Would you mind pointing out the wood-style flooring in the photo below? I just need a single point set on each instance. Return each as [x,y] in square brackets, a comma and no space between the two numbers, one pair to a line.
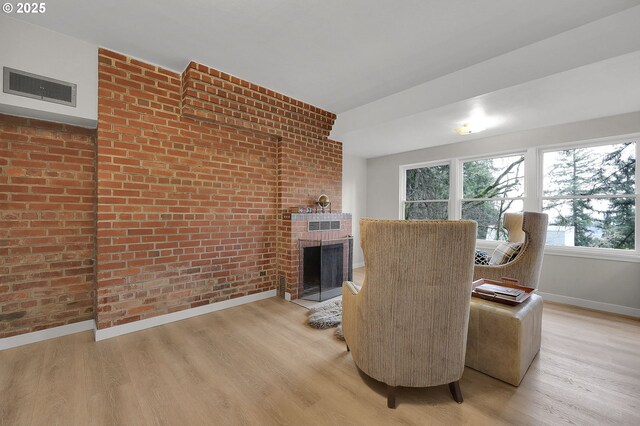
[259,364]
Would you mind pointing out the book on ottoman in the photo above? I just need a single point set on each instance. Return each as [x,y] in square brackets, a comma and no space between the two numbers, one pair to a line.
[506,291]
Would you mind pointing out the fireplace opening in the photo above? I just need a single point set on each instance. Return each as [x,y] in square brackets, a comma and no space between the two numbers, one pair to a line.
[324,266]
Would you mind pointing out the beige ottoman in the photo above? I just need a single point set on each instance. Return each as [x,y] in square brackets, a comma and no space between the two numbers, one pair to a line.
[503,339]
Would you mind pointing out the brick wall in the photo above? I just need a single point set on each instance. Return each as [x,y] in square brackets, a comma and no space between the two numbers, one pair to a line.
[186,208]
[308,169]
[309,164]
[214,96]
[192,173]
[47,228]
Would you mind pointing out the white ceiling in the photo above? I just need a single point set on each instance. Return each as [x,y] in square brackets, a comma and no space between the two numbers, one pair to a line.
[584,93]
[592,71]
[400,73]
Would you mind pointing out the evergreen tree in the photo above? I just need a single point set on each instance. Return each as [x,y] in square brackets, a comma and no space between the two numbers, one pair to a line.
[585,172]
[617,176]
[572,174]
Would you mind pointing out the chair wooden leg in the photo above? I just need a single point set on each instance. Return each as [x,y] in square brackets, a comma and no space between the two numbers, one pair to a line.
[391,396]
[456,393]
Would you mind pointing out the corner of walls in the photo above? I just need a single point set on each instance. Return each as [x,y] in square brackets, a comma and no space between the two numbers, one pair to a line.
[354,198]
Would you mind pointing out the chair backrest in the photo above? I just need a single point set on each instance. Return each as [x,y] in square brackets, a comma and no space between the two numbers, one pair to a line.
[512,222]
[527,265]
[534,226]
[415,299]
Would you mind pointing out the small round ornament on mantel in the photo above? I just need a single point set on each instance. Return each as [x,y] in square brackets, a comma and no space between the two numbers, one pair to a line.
[323,202]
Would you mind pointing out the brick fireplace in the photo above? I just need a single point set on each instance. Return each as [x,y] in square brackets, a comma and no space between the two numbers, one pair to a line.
[297,227]
[217,161]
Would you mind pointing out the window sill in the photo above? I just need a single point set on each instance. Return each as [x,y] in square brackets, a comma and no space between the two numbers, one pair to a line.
[588,253]
[583,252]
[486,245]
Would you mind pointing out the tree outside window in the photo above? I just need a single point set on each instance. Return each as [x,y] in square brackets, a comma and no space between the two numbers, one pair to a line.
[427,193]
[589,194]
[492,187]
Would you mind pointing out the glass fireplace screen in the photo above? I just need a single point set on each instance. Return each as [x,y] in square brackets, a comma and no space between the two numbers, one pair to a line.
[324,265]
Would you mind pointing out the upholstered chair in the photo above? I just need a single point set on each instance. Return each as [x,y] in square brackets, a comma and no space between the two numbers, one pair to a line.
[513,224]
[526,266]
[407,324]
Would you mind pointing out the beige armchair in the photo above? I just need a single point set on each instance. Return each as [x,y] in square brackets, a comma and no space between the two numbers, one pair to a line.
[407,324]
[530,228]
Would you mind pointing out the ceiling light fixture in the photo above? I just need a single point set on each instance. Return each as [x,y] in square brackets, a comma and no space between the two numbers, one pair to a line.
[467,129]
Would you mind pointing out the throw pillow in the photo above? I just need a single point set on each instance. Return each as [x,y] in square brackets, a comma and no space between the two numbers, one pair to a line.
[505,253]
[482,257]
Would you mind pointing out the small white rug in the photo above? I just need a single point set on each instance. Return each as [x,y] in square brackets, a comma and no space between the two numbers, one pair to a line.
[326,315]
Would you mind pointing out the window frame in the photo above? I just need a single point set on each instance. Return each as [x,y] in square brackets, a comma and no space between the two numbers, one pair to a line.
[533,192]
[593,252]
[403,185]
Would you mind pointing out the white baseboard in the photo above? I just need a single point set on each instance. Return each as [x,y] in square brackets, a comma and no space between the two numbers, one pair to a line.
[591,304]
[49,333]
[287,296]
[131,327]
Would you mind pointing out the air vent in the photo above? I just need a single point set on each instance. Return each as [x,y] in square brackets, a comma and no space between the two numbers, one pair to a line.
[323,225]
[34,86]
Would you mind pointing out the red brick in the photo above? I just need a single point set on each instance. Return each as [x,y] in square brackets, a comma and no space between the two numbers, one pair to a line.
[29,275]
[187,205]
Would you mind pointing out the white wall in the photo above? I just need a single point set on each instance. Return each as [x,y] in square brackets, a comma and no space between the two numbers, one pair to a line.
[354,198]
[34,49]
[600,284]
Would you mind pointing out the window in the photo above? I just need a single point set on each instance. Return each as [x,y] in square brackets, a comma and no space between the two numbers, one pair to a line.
[589,191]
[590,196]
[490,188]
[426,192]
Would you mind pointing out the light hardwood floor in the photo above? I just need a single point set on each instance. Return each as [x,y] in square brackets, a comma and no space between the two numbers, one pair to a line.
[260,364]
